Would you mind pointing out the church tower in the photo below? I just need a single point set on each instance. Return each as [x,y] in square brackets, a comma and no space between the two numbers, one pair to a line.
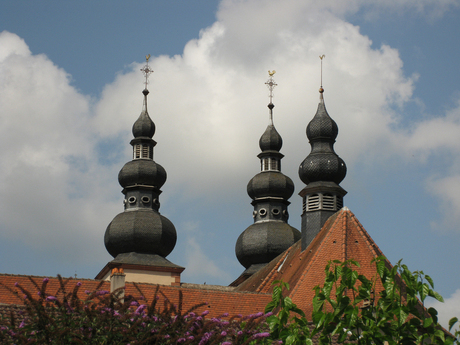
[140,238]
[321,171]
[270,235]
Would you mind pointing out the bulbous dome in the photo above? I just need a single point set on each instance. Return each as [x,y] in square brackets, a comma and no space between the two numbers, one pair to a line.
[270,184]
[144,126]
[141,231]
[322,126]
[270,140]
[322,164]
[262,242]
[322,167]
[142,172]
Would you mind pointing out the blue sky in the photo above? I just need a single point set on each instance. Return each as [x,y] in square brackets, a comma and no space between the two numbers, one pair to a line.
[70,89]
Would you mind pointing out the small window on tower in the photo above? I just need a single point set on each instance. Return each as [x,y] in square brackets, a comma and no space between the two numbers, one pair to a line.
[137,151]
[313,202]
[265,164]
[274,164]
[328,202]
[145,151]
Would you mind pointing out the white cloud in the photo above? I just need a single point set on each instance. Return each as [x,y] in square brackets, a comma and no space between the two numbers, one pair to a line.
[447,310]
[200,266]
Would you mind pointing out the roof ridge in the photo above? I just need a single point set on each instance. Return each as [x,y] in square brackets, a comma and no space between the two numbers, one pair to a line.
[369,240]
[272,273]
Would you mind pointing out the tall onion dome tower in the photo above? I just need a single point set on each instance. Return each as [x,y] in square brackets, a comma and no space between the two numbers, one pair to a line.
[140,238]
[321,171]
[270,235]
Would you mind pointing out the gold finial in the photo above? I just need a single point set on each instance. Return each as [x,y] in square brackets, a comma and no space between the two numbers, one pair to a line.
[271,73]
[146,70]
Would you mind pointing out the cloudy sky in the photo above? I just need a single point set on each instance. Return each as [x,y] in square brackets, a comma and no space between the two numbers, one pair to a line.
[70,90]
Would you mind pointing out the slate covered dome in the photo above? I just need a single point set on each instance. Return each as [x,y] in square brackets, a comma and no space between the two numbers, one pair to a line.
[144,126]
[322,164]
[262,242]
[270,140]
[141,231]
[270,184]
[142,171]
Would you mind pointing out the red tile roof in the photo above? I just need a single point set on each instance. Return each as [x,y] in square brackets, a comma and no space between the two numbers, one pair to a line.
[218,301]
[342,237]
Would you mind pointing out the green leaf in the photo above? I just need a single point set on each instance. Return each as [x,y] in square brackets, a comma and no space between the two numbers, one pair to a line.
[317,304]
[428,278]
[440,334]
[290,340]
[288,303]
[452,322]
[272,322]
[427,322]
[435,295]
[270,306]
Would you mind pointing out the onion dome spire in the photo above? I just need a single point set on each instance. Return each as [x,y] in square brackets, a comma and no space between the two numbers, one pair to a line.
[141,235]
[269,190]
[322,171]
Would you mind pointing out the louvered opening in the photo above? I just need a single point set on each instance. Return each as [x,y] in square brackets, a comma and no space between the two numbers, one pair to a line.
[339,202]
[137,151]
[328,202]
[313,202]
[145,151]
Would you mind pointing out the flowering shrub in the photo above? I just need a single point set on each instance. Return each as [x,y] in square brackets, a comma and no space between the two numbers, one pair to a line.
[104,318]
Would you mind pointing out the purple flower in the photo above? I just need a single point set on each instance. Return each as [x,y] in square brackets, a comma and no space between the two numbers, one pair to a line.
[224,315]
[167,336]
[102,292]
[46,280]
[181,340]
[223,333]
[226,343]
[16,284]
[261,335]
[134,304]
[191,337]
[78,284]
[51,299]
[269,314]
[240,333]
[259,314]
[22,324]
[87,292]
[206,312]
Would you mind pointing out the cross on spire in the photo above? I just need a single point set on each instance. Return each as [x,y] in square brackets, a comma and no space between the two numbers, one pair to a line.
[146,70]
[271,84]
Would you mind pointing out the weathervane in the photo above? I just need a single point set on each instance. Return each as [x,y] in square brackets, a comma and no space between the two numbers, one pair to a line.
[146,70]
[321,88]
[271,84]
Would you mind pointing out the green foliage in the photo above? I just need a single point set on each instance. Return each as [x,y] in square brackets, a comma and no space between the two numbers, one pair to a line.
[349,307]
